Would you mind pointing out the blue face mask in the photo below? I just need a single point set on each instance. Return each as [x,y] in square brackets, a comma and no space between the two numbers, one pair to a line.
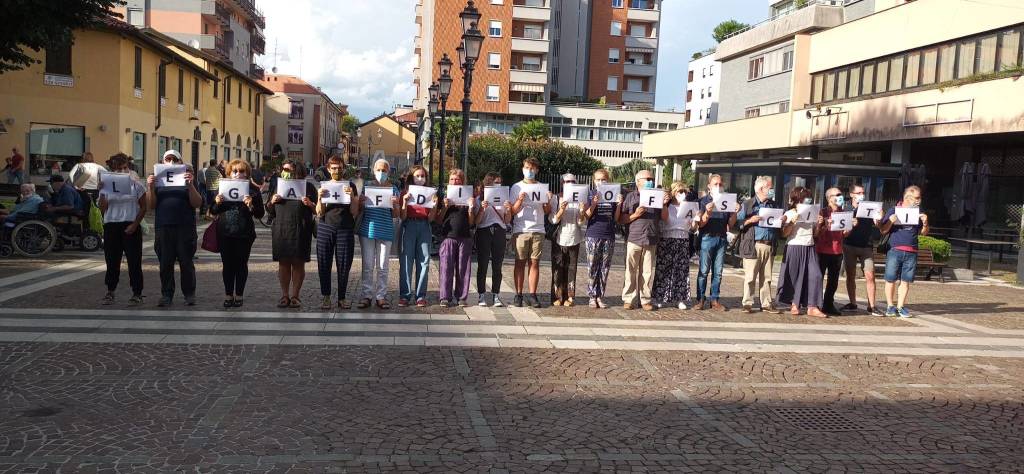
[649,184]
[529,173]
[840,200]
[381,176]
[771,194]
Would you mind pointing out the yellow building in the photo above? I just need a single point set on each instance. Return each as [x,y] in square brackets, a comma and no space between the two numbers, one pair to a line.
[121,89]
[386,137]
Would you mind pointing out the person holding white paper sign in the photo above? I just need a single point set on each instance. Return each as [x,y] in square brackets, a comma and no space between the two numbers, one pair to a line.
[414,258]
[376,233]
[457,247]
[672,270]
[601,216]
[236,231]
[565,246]
[757,247]
[901,260]
[641,246]
[800,276]
[829,245]
[175,231]
[858,249]
[714,225]
[335,235]
[123,212]
[491,226]
[528,232]
[291,234]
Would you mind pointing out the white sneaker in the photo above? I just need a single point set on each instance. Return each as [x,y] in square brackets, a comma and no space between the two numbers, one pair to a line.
[481,301]
[497,302]
[682,305]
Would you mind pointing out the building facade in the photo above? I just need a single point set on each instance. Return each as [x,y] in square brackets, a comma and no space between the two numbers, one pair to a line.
[302,121]
[119,89]
[936,107]
[703,78]
[386,137]
[231,30]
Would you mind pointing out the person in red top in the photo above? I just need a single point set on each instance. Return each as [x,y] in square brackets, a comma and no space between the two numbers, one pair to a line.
[414,258]
[16,168]
[829,246]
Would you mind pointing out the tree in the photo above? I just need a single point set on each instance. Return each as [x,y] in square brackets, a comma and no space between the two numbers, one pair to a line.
[726,28]
[37,24]
[535,129]
[504,155]
[626,172]
[349,124]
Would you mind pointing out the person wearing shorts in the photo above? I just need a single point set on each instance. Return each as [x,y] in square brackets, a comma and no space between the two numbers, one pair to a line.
[858,249]
[901,261]
[528,232]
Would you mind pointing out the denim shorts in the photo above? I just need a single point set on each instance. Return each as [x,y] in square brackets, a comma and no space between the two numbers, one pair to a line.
[900,265]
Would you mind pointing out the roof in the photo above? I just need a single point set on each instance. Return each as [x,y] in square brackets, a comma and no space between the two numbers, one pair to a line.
[408,118]
[160,37]
[118,26]
[292,85]
[389,117]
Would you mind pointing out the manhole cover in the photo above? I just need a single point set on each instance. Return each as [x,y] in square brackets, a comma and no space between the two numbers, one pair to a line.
[819,419]
[40,412]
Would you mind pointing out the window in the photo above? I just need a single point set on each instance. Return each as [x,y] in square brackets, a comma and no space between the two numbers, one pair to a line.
[854,89]
[613,55]
[817,87]
[987,55]
[162,82]
[635,85]
[58,59]
[613,83]
[531,63]
[138,67]
[1009,47]
[704,72]
[756,68]
[709,92]
[195,93]
[830,86]
[929,65]
[913,70]
[181,86]
[947,61]
[616,3]
[136,17]
[257,104]
[687,115]
[711,70]
[497,2]
[702,93]
[752,112]
[494,61]
[250,99]
[227,89]
[965,58]
[868,79]
[638,4]
[616,28]
[896,74]
[841,80]
[638,30]
[216,83]
[239,96]
[495,29]
[492,93]
[882,85]
[772,62]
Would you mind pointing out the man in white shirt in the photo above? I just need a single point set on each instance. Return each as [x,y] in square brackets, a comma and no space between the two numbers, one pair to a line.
[528,232]
[86,175]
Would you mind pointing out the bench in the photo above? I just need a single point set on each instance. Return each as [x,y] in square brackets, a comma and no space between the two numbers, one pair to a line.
[925,259]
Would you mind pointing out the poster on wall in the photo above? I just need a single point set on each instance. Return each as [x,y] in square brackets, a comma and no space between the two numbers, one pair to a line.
[296,110]
[295,134]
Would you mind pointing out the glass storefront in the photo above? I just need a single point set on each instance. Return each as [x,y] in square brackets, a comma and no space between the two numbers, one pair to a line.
[54,149]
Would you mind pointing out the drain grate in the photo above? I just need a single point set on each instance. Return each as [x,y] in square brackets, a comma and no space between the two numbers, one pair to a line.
[819,419]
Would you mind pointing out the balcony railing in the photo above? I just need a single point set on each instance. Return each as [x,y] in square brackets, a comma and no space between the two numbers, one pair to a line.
[223,14]
[526,67]
[259,43]
[530,35]
[831,3]
[530,3]
[220,48]
[256,71]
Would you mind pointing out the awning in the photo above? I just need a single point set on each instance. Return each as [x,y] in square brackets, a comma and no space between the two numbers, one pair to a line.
[519,87]
[639,50]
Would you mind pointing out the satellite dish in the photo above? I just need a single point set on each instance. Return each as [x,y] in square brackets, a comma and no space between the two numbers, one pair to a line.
[194,43]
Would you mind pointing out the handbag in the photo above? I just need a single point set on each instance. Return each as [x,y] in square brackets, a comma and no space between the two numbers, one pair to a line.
[210,243]
[883,243]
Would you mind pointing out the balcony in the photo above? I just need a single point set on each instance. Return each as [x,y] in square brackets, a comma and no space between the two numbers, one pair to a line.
[637,42]
[256,72]
[222,13]
[221,48]
[640,69]
[527,108]
[817,15]
[636,14]
[259,43]
[762,133]
[529,77]
[534,10]
[208,7]
[417,45]
[207,42]
[528,45]
[637,96]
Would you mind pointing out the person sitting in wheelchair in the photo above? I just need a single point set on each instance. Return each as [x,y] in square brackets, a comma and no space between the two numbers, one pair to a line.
[28,203]
[65,200]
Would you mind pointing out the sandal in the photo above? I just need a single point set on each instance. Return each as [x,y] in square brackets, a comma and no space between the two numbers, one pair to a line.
[283,302]
[364,303]
[383,304]
[344,304]
[229,303]
[295,303]
[326,304]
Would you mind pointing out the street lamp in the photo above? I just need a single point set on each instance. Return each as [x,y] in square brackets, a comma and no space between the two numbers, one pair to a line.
[472,40]
[444,88]
[432,109]
[470,16]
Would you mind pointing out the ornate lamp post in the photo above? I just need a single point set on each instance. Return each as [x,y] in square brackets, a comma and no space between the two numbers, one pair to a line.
[432,109]
[444,89]
[469,52]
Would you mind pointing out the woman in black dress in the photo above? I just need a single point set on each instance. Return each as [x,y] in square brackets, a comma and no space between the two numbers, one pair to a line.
[236,231]
[292,233]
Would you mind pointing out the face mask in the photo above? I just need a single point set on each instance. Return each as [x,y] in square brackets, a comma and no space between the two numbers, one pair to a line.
[529,173]
[419,180]
[335,175]
[286,175]
[716,190]
[381,176]
[599,182]
[808,201]
[649,184]
[857,198]
[237,175]
[840,200]
[771,194]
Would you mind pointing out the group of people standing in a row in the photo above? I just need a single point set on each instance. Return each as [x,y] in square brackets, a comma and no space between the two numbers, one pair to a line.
[656,262]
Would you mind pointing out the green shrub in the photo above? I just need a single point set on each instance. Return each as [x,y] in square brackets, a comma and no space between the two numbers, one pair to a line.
[940,248]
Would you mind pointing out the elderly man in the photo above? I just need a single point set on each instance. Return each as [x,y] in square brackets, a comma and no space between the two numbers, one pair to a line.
[714,226]
[757,246]
[176,238]
[64,200]
[641,245]
[28,203]
[901,260]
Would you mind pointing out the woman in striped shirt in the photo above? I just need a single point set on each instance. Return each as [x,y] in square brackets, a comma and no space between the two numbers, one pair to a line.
[376,234]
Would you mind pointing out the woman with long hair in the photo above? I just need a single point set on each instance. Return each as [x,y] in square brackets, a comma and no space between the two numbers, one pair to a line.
[291,233]
[565,247]
[491,228]
[457,246]
[414,259]
[236,231]
[672,269]
[800,275]
[600,239]
[335,235]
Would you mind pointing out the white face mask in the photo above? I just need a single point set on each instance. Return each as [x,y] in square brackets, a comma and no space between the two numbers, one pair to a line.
[716,189]
[419,180]
[599,182]
[237,175]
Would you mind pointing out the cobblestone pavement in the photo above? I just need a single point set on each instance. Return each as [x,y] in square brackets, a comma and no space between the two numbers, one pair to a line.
[89,388]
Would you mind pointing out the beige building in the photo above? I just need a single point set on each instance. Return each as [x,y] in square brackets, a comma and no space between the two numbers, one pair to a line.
[900,96]
[385,137]
[302,122]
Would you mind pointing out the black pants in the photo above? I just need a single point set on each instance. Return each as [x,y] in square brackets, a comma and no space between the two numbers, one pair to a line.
[490,248]
[115,244]
[234,257]
[830,266]
[176,243]
[563,271]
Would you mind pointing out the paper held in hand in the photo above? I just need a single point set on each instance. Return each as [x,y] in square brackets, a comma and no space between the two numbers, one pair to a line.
[724,202]
[234,190]
[335,192]
[808,213]
[575,193]
[652,198]
[842,221]
[609,192]
[869,210]
[908,215]
[169,176]
[422,196]
[291,189]
[535,193]
[680,217]
[378,196]
[770,218]
[496,195]
[116,184]
[459,195]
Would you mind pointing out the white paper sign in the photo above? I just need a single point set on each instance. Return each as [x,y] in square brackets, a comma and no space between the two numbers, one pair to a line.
[908,215]
[422,196]
[378,196]
[116,184]
[807,213]
[680,217]
[609,192]
[234,189]
[724,202]
[459,195]
[291,189]
[652,198]
[536,192]
[335,192]
[869,210]
[842,221]
[575,193]
[770,218]
[169,176]
[496,195]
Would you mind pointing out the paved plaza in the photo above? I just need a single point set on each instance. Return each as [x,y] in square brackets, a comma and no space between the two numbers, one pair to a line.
[90,388]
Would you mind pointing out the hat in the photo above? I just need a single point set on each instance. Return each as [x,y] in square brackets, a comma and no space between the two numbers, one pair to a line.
[568,177]
[174,153]
[55,179]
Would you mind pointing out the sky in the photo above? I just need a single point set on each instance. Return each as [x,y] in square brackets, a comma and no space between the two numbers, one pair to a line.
[360,52]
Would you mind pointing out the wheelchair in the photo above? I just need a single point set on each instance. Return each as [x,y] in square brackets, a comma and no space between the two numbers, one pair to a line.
[35,235]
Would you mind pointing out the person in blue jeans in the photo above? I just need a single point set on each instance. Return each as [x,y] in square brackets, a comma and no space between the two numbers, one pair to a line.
[414,259]
[901,260]
[714,225]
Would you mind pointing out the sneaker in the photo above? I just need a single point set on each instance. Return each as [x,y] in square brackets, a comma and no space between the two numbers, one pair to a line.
[108,298]
[556,302]
[443,303]
[421,303]
[190,300]
[771,309]
[648,307]
[535,302]
[699,306]
[481,300]
[849,307]
[497,302]
[891,312]
[593,303]
[518,301]
[747,309]
[873,311]
[402,303]
[681,305]
[164,301]
[463,303]
[715,305]
[628,306]
[903,313]
[135,300]
[831,311]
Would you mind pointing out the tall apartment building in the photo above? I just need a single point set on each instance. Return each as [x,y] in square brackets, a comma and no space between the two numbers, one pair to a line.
[569,62]
[884,101]
[703,77]
[301,120]
[232,30]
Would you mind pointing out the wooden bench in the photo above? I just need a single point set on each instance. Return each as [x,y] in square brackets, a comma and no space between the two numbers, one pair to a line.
[925,259]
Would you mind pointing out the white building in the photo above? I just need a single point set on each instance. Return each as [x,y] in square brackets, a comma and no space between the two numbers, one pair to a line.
[703,78]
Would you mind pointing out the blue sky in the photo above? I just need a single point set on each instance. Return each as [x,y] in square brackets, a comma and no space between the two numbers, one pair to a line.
[361,52]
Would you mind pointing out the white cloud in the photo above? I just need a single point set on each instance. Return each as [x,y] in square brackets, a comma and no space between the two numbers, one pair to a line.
[359,51]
